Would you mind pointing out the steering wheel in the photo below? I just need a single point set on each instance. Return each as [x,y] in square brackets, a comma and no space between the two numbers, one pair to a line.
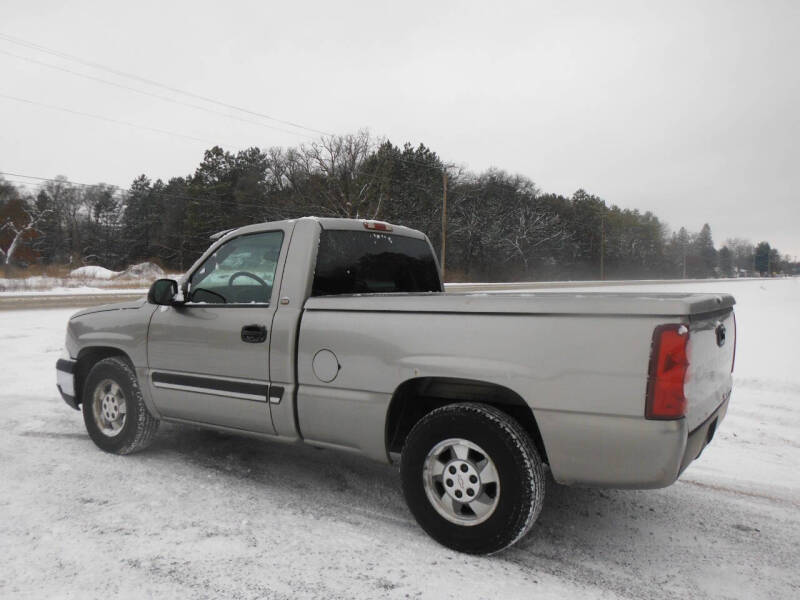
[246,274]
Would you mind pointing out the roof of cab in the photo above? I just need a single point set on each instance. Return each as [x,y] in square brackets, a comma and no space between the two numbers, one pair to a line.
[333,223]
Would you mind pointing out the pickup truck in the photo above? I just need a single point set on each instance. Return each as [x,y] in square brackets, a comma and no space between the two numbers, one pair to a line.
[337,333]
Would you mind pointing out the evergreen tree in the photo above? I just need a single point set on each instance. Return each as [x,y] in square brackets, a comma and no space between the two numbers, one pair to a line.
[725,262]
[706,255]
[140,220]
[103,227]
[677,254]
[762,259]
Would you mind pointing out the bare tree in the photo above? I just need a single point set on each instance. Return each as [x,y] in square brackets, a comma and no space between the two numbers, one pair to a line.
[18,232]
[531,230]
[743,253]
[469,224]
[333,170]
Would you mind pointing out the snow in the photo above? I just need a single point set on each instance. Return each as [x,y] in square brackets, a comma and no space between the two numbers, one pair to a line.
[93,272]
[145,271]
[87,280]
[206,514]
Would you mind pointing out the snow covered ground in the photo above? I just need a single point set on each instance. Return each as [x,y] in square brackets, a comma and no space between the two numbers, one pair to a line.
[204,514]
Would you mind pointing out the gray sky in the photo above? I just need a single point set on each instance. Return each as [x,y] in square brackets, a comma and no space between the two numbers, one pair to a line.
[688,109]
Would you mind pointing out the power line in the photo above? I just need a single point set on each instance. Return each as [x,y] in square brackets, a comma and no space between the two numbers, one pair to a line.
[119,73]
[151,94]
[205,189]
[70,57]
[107,119]
[192,199]
[44,180]
[195,200]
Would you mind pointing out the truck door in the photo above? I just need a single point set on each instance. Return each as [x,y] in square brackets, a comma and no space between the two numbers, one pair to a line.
[209,359]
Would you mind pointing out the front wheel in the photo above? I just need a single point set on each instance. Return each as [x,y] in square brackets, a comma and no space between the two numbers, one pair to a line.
[472,478]
[114,411]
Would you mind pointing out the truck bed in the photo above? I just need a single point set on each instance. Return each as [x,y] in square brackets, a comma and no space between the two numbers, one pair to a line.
[584,378]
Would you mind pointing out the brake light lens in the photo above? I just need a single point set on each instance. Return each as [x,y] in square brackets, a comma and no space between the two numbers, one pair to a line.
[377,226]
[733,360]
[668,366]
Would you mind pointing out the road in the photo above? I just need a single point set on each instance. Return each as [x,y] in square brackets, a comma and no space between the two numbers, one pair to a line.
[204,514]
[32,301]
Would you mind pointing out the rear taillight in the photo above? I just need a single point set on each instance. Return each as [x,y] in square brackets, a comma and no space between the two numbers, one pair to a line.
[733,360]
[668,366]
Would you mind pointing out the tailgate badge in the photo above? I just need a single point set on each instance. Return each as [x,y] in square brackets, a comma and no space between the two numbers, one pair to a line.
[720,331]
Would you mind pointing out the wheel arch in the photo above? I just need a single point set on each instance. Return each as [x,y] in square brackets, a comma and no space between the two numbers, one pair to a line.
[414,398]
[87,358]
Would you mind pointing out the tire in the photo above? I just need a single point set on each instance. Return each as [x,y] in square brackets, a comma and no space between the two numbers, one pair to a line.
[114,411]
[471,438]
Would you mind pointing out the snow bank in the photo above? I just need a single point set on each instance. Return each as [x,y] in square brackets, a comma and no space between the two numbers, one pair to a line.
[145,270]
[139,271]
[90,277]
[93,272]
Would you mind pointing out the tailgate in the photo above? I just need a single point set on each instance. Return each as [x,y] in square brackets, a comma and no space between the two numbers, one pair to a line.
[710,352]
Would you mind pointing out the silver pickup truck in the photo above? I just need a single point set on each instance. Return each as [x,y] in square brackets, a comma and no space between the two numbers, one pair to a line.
[337,333]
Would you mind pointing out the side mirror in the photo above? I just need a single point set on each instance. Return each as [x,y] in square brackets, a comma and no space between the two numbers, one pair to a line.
[162,292]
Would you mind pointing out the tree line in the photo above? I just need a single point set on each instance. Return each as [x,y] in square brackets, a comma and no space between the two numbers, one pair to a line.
[500,226]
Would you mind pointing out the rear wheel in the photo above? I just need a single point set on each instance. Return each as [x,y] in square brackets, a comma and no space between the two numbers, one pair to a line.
[472,478]
[114,411]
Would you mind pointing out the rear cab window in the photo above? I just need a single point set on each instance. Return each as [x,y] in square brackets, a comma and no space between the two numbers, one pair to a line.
[368,262]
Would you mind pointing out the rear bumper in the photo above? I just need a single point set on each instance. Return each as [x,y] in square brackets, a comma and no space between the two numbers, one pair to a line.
[65,381]
[622,452]
[702,435]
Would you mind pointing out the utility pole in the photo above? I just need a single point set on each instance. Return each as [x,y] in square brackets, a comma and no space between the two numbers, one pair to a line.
[602,245]
[684,263]
[683,247]
[444,219]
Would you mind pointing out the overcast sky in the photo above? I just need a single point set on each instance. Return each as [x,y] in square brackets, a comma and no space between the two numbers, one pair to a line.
[688,109]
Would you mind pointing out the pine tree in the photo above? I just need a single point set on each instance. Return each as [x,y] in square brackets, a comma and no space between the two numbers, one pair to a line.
[725,262]
[705,252]
[762,259]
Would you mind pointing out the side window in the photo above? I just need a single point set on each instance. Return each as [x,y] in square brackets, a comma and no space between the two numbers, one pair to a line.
[241,271]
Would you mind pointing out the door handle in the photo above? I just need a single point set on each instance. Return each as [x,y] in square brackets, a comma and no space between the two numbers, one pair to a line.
[254,334]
